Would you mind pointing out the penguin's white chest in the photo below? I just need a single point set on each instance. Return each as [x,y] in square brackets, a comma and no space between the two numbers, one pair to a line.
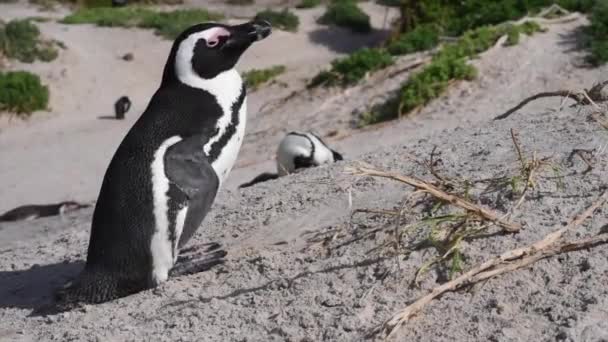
[228,155]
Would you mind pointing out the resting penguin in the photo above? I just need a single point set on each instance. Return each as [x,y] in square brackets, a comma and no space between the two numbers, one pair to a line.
[121,106]
[166,172]
[34,211]
[298,151]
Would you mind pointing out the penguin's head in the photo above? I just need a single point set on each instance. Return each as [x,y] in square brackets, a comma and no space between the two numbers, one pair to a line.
[206,50]
[337,156]
[68,206]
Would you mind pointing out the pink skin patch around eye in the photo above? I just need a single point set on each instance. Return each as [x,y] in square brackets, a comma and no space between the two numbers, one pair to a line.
[214,36]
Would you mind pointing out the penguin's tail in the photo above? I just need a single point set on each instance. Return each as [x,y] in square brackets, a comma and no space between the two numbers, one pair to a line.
[90,288]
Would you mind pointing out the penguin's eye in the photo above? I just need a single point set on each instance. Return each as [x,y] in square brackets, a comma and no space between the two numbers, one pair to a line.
[216,41]
[213,42]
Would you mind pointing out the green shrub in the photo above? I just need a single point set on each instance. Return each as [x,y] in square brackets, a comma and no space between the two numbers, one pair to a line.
[528,28]
[284,20]
[108,16]
[21,92]
[423,37]
[346,13]
[171,24]
[256,77]
[353,68]
[308,4]
[167,24]
[20,39]
[598,34]
[448,65]
[456,17]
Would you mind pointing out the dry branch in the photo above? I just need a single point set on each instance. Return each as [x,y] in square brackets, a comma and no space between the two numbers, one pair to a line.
[560,93]
[442,195]
[583,97]
[581,154]
[508,261]
[563,247]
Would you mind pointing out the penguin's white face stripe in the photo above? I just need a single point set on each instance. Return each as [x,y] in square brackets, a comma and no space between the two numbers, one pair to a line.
[185,52]
[179,227]
[161,245]
[301,144]
[322,153]
[290,147]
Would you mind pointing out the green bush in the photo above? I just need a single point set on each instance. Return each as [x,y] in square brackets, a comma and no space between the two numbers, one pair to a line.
[167,24]
[20,39]
[346,13]
[528,28]
[456,17]
[283,20]
[256,77]
[423,37]
[598,34]
[21,92]
[448,65]
[308,4]
[353,68]
[171,24]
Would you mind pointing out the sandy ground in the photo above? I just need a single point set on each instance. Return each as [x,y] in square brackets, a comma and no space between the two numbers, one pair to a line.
[276,284]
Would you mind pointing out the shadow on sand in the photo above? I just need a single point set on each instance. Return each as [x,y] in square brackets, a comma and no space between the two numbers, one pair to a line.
[34,287]
[343,41]
[108,117]
[576,41]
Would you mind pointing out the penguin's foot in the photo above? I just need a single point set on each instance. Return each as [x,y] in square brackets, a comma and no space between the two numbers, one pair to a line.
[209,247]
[197,262]
[55,308]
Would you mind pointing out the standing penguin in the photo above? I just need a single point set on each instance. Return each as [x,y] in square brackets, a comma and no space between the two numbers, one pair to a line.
[298,151]
[121,107]
[165,174]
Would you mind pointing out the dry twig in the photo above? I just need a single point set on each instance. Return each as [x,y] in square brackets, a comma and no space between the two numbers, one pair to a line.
[581,153]
[583,97]
[442,195]
[508,261]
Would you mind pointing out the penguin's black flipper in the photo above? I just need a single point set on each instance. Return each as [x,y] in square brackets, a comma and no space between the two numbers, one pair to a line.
[189,169]
[260,178]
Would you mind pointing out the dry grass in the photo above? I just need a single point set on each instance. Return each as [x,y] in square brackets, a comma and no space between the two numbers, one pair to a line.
[550,245]
[440,195]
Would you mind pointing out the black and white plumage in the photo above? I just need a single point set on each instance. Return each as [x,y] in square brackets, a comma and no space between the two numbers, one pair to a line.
[303,150]
[121,107]
[165,174]
[34,211]
[298,151]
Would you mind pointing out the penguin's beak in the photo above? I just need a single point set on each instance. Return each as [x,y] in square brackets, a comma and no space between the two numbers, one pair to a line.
[241,36]
[260,29]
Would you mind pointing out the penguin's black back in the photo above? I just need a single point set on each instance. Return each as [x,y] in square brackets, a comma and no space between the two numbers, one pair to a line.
[123,220]
[32,210]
